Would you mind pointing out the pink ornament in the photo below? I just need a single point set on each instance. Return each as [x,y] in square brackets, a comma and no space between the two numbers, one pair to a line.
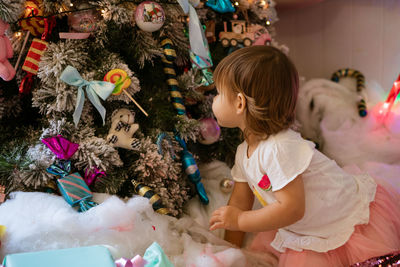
[209,131]
[83,21]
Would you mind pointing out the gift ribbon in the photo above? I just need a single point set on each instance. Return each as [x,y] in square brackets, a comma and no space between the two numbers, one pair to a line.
[137,261]
[197,38]
[60,168]
[93,89]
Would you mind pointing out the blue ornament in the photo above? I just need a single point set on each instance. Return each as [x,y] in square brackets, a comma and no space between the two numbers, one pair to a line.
[191,169]
[188,163]
[221,6]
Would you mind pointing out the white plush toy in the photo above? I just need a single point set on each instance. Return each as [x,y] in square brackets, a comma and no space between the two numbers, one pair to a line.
[122,130]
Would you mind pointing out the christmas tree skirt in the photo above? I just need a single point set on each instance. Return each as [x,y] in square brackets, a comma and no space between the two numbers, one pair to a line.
[40,221]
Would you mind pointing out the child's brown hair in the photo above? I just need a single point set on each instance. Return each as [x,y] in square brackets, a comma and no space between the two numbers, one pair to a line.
[268,80]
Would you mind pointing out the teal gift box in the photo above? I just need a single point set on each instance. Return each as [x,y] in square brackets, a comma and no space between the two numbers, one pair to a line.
[96,256]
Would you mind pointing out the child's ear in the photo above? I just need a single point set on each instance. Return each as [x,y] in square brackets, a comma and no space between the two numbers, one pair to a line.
[240,103]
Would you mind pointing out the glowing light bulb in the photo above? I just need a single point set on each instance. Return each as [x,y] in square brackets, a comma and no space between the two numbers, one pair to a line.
[18,34]
[236,3]
[71,4]
[262,3]
[268,22]
[103,11]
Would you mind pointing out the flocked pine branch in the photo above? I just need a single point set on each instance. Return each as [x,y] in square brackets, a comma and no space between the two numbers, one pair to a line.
[53,7]
[113,10]
[174,30]
[10,10]
[163,175]
[96,152]
[188,129]
[147,48]
[58,56]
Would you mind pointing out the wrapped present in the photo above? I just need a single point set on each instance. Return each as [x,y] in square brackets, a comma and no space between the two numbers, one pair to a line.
[72,186]
[98,256]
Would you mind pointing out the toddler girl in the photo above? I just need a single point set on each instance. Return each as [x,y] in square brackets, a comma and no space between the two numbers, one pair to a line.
[314,213]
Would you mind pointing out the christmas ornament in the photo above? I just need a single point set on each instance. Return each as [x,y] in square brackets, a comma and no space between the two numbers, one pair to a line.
[122,130]
[262,38]
[72,186]
[84,21]
[122,81]
[81,23]
[226,185]
[191,169]
[36,50]
[31,22]
[155,199]
[221,6]
[209,131]
[169,69]
[61,147]
[188,161]
[92,174]
[7,72]
[149,16]
[94,89]
[362,109]
[239,34]
[160,138]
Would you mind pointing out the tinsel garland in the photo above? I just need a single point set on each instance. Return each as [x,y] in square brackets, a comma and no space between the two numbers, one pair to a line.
[392,259]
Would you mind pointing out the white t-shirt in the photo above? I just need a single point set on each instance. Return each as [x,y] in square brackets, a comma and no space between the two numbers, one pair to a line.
[335,201]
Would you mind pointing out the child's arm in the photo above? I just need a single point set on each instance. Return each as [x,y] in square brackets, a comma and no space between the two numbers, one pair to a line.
[288,209]
[242,198]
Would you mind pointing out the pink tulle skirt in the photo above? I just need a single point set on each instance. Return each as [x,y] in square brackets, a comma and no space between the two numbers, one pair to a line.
[379,237]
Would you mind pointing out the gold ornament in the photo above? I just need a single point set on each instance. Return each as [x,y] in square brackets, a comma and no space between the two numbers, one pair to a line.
[226,185]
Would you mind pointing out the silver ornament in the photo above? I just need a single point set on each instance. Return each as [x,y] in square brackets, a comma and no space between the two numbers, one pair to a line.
[226,185]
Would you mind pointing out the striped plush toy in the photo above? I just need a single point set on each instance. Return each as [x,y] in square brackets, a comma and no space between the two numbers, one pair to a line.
[362,107]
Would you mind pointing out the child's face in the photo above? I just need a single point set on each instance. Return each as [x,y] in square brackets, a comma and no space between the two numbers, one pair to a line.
[224,110]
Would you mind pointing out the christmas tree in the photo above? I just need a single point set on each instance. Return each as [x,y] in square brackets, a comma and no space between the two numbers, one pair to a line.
[130,82]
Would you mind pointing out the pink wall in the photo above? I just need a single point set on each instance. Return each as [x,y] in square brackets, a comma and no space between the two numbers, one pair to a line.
[333,34]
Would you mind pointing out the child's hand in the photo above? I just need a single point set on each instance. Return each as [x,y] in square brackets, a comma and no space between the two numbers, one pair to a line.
[226,217]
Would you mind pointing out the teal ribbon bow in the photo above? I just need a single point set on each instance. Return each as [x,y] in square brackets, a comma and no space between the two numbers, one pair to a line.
[94,90]
[197,39]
